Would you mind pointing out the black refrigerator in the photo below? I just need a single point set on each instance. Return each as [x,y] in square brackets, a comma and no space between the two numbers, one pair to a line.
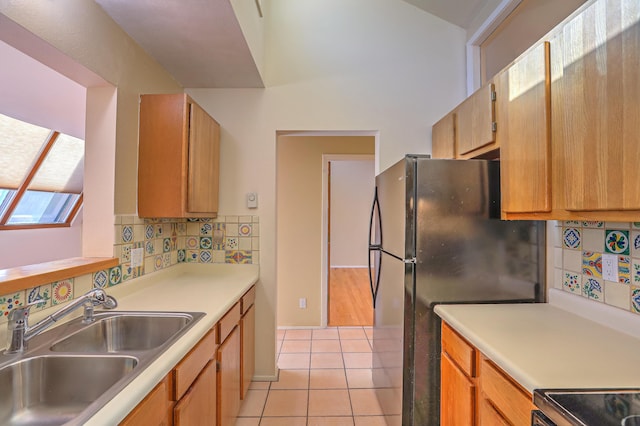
[436,237]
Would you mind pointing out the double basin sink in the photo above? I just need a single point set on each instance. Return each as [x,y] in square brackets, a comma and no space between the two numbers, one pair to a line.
[69,372]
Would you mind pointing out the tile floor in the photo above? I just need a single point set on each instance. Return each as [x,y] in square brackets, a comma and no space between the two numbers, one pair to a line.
[325,379]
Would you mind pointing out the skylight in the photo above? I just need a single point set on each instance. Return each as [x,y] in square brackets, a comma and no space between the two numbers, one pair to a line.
[41,175]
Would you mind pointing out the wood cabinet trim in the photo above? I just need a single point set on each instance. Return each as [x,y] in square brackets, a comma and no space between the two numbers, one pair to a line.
[248,300]
[153,409]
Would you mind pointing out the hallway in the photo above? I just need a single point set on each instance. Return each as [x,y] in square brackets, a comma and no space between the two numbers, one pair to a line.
[325,379]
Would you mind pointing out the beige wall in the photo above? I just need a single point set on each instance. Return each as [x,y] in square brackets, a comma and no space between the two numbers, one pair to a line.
[379,66]
[299,222]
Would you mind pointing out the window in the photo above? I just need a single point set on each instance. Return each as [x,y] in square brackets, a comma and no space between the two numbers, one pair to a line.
[41,175]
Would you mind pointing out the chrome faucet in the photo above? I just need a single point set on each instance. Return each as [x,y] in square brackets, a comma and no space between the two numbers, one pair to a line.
[19,331]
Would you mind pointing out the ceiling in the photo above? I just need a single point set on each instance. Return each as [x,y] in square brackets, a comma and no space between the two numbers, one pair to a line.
[201,44]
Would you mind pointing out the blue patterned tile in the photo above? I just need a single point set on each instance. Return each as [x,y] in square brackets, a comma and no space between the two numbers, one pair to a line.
[149,232]
[205,256]
[593,224]
[635,299]
[205,243]
[127,234]
[182,256]
[100,279]
[571,238]
[166,245]
[592,288]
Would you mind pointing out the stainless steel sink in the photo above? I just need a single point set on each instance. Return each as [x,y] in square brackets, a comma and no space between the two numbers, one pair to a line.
[69,372]
[114,332]
[52,390]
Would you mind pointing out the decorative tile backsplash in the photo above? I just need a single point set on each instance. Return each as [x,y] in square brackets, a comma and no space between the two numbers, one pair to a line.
[578,260]
[165,243]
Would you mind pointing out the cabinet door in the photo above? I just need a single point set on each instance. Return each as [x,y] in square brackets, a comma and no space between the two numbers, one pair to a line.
[229,379]
[523,131]
[154,410]
[204,162]
[457,395]
[489,416]
[443,137]
[248,332]
[474,121]
[595,91]
[198,405]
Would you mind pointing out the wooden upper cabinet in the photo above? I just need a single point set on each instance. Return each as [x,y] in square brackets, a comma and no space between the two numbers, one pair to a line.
[443,137]
[596,114]
[475,118]
[178,159]
[523,118]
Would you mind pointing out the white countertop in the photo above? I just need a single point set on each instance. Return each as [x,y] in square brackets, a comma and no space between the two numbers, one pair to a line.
[542,346]
[209,288]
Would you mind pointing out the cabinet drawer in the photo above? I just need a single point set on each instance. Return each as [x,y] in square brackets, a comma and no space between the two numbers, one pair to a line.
[460,352]
[191,365]
[507,397]
[248,299]
[228,322]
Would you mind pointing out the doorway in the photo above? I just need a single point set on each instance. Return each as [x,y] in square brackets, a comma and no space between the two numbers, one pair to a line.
[349,192]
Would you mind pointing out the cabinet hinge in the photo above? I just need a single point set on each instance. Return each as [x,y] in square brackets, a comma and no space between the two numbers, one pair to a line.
[494,126]
[493,95]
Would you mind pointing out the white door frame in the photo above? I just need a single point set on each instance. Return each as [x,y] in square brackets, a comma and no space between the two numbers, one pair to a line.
[324,274]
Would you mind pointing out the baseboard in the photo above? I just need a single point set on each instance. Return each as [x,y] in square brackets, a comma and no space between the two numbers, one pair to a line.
[349,267]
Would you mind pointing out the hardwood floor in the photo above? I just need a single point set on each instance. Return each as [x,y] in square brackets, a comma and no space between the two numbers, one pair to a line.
[350,297]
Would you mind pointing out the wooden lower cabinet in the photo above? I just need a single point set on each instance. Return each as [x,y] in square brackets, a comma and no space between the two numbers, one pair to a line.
[229,379]
[207,385]
[198,405]
[474,391]
[458,395]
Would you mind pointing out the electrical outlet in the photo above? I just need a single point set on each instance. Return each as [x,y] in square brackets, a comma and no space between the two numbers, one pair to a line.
[610,267]
[136,257]
[303,303]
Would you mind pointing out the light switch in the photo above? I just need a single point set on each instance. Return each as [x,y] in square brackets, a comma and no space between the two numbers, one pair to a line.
[252,200]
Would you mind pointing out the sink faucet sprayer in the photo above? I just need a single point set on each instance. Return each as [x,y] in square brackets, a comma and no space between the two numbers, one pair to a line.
[19,332]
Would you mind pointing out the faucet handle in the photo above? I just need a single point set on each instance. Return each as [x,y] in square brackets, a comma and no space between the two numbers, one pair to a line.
[19,314]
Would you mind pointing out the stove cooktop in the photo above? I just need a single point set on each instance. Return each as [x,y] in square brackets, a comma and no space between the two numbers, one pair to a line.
[590,407]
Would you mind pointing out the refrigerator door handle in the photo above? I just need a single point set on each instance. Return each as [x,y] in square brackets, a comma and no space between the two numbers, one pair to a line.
[375,246]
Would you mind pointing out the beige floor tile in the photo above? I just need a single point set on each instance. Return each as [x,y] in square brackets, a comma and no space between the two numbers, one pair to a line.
[323,378]
[364,402]
[297,335]
[329,402]
[283,421]
[296,346]
[278,345]
[280,334]
[369,332]
[352,333]
[326,360]
[247,421]
[292,379]
[357,360]
[355,345]
[325,333]
[259,385]
[286,403]
[359,378]
[253,403]
[330,421]
[372,421]
[293,361]
[325,346]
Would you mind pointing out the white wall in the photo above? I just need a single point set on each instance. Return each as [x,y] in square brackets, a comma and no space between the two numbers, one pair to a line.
[377,65]
[352,185]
